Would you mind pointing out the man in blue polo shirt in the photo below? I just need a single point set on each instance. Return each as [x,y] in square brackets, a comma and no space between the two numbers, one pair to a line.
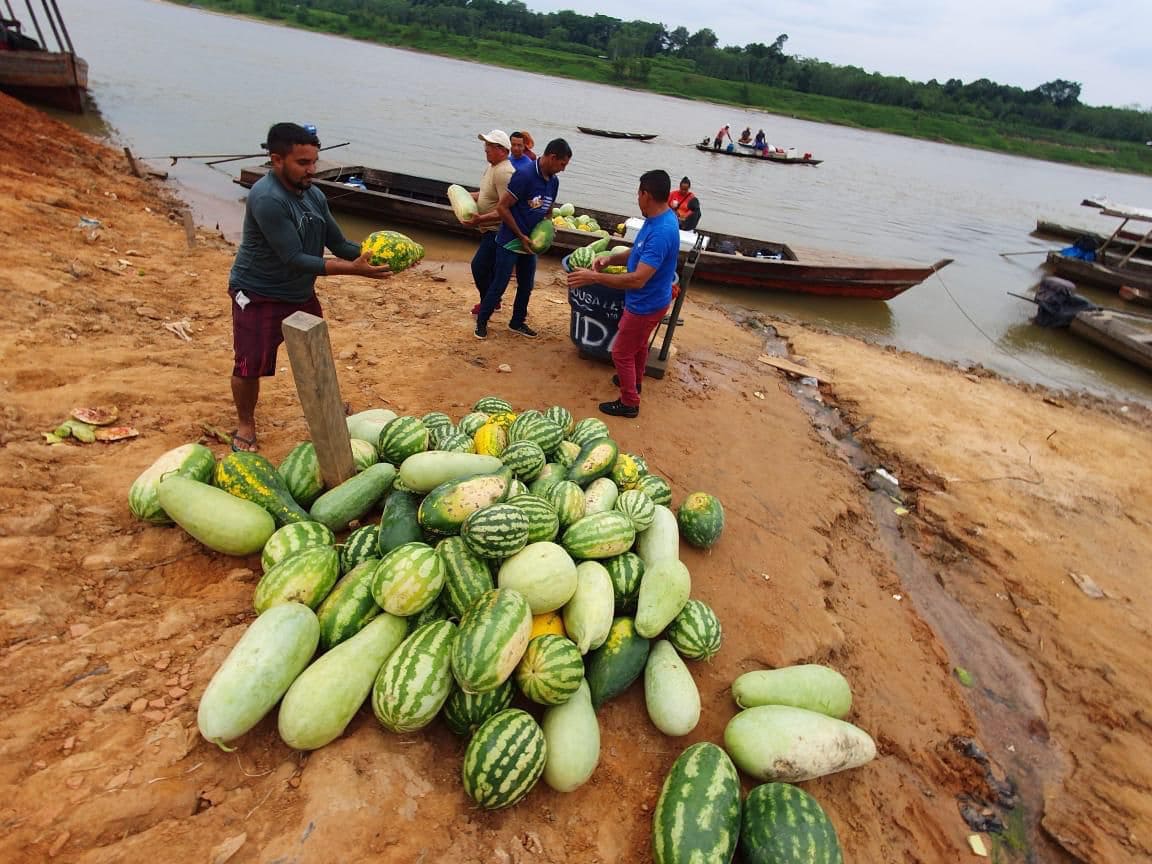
[647,288]
[529,198]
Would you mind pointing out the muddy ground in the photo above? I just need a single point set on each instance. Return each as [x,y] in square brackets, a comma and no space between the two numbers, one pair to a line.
[1021,507]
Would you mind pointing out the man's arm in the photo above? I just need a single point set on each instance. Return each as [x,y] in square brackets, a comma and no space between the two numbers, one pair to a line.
[334,238]
[504,209]
[620,281]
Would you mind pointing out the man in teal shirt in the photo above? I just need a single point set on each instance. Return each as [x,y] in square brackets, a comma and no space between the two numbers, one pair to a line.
[287,225]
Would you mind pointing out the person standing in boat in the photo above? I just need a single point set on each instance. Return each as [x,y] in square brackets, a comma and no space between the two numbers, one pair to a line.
[522,155]
[287,225]
[647,288]
[719,139]
[493,185]
[528,199]
[686,205]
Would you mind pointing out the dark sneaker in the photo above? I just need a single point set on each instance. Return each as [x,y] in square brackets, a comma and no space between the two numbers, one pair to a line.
[476,308]
[616,408]
[616,381]
[481,329]
[523,330]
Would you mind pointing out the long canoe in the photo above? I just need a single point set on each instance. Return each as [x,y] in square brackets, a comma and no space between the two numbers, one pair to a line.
[608,133]
[1122,242]
[774,158]
[388,197]
[1124,336]
[1101,275]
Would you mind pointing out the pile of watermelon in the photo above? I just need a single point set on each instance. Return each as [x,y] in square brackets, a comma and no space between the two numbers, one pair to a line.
[522,572]
[565,216]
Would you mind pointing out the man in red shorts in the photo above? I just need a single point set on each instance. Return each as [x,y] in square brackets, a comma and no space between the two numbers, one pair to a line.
[647,288]
[287,225]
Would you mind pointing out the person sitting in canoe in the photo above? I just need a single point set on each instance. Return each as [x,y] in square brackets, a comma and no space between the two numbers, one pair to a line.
[761,141]
[686,205]
[746,135]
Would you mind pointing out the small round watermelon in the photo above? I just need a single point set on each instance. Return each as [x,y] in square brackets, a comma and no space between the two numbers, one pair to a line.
[701,519]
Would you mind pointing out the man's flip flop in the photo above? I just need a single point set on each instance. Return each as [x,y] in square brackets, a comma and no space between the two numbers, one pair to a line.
[246,445]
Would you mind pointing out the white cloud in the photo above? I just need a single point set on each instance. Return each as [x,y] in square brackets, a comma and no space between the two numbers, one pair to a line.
[1101,45]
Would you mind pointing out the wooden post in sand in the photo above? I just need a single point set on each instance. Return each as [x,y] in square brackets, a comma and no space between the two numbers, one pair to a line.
[310,353]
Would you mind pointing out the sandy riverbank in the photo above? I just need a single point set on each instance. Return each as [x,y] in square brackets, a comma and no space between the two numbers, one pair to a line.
[1014,492]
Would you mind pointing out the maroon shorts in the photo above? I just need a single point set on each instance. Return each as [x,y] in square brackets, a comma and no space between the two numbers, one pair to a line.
[256,332]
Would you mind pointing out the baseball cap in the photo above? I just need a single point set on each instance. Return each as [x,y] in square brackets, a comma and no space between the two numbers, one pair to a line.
[498,137]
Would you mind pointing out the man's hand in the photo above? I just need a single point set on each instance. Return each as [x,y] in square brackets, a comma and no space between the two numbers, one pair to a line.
[580,278]
[363,266]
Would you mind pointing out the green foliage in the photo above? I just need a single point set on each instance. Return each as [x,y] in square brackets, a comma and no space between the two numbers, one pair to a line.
[1047,122]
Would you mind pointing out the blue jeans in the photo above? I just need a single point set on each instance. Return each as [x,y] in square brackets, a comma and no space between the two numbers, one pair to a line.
[504,262]
[485,258]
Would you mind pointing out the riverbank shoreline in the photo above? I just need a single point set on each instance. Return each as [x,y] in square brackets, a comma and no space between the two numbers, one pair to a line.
[1015,501]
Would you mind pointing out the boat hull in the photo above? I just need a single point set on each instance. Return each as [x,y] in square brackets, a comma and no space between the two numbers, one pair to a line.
[400,198]
[1123,337]
[775,159]
[608,133]
[1100,275]
[49,78]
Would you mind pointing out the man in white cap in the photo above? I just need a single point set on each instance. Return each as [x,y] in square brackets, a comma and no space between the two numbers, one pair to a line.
[493,185]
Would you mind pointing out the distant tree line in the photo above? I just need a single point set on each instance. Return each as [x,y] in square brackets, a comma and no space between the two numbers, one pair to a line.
[633,47]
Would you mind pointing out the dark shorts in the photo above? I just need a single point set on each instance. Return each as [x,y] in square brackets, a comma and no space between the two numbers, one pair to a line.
[256,332]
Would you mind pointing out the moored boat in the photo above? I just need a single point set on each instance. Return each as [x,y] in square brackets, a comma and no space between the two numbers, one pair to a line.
[1122,335]
[608,133]
[1121,242]
[31,71]
[773,156]
[389,197]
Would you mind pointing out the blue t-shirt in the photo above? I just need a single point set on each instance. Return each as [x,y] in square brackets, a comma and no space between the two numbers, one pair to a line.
[521,161]
[534,198]
[657,244]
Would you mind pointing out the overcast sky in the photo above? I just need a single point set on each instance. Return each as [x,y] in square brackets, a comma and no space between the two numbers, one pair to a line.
[1102,45]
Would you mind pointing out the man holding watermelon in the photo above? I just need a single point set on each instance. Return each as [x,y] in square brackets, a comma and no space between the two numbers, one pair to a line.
[647,288]
[525,203]
[287,225]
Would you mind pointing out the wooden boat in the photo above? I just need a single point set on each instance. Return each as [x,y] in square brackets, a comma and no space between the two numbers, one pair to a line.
[608,133]
[388,197]
[775,158]
[1138,281]
[1122,270]
[29,71]
[1121,242]
[1127,337]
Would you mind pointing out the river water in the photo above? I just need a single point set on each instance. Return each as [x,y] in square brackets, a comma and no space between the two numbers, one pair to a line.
[192,82]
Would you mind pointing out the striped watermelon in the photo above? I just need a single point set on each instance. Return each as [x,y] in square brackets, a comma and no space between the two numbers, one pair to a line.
[568,499]
[470,423]
[566,453]
[550,670]
[589,429]
[466,575]
[543,523]
[695,632]
[504,759]
[349,605]
[439,425]
[407,579]
[456,442]
[561,416]
[595,460]
[496,531]
[398,521]
[701,519]
[300,472]
[292,538]
[638,507]
[783,824]
[626,570]
[416,679]
[656,488]
[601,535]
[189,460]
[363,454]
[360,545]
[492,405]
[466,712]
[521,422]
[538,429]
[525,458]
[697,817]
[305,577]
[494,632]
[401,438]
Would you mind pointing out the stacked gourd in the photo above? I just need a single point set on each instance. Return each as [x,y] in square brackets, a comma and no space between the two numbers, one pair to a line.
[515,553]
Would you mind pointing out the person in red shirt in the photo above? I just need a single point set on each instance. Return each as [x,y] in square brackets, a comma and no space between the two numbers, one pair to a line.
[686,205]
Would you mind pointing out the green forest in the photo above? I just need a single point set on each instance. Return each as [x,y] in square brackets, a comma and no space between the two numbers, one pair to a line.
[1046,122]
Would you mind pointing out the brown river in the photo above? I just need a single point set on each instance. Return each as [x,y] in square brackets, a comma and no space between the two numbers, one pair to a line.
[189,82]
